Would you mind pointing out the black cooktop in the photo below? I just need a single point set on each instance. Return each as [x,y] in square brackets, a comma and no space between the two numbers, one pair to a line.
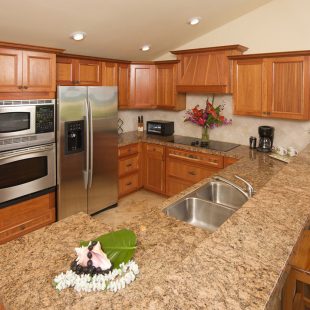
[212,144]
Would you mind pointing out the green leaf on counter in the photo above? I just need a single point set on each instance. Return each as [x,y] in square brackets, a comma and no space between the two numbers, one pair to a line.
[119,245]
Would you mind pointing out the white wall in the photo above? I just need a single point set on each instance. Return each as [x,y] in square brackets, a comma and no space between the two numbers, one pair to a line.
[281,25]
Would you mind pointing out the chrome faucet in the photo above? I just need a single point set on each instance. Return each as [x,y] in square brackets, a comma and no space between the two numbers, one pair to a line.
[249,191]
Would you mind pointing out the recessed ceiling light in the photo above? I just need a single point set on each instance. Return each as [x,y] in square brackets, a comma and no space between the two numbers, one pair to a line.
[78,36]
[145,48]
[194,20]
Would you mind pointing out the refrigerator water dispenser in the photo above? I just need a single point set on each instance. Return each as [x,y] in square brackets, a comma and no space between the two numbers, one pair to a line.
[74,133]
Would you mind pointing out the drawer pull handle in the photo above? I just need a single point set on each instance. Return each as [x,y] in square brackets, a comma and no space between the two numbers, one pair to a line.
[22,227]
[128,165]
[25,87]
[128,184]
[20,87]
[192,172]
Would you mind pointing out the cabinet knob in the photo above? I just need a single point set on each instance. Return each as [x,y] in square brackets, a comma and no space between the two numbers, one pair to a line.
[128,165]
[25,87]
[192,172]
[128,184]
[20,87]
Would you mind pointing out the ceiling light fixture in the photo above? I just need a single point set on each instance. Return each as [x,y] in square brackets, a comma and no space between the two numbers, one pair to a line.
[145,48]
[78,36]
[194,21]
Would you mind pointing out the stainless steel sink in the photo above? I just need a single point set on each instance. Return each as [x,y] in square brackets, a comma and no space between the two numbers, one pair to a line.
[211,205]
[221,193]
[199,212]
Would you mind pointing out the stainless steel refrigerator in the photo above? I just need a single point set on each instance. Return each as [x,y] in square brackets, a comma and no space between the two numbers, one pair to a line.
[87,146]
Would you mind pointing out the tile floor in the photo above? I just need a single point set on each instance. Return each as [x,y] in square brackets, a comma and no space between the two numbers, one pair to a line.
[130,206]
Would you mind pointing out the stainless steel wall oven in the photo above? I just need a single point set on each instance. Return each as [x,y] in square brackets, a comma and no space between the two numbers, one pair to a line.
[27,148]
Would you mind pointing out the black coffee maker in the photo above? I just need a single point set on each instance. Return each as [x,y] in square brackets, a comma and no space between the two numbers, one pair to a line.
[265,138]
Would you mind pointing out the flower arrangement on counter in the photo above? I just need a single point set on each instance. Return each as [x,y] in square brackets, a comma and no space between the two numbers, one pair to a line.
[95,270]
[208,118]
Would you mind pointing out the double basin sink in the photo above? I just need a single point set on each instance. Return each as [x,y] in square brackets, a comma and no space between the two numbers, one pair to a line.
[209,206]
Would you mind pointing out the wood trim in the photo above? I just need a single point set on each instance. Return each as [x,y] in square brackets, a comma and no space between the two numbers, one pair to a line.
[238,47]
[271,55]
[203,89]
[93,58]
[31,47]
[27,96]
[164,62]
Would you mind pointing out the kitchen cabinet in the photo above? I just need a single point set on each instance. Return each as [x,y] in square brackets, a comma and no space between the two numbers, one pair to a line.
[24,72]
[166,94]
[109,73]
[154,177]
[129,169]
[272,85]
[229,161]
[185,168]
[142,92]
[206,70]
[123,85]
[24,217]
[78,71]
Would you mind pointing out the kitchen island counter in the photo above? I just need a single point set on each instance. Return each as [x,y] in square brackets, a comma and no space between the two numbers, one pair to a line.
[240,266]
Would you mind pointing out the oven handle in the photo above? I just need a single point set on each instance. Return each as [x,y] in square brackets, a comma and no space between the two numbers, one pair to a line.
[86,171]
[40,149]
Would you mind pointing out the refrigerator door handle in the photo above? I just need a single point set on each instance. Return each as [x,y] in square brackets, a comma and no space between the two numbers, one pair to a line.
[91,145]
[86,171]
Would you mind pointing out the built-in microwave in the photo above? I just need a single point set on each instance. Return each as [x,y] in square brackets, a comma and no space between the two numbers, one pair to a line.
[24,123]
[26,171]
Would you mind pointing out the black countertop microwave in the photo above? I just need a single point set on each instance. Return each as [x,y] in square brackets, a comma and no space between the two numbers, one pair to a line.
[162,128]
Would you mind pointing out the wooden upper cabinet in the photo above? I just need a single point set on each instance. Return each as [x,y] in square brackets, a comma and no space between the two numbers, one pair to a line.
[39,72]
[65,71]
[88,72]
[142,86]
[288,87]
[109,73]
[27,71]
[11,70]
[248,87]
[274,85]
[80,72]
[166,95]
[206,70]
[123,85]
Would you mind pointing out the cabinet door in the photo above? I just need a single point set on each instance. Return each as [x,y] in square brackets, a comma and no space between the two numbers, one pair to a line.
[142,86]
[288,87]
[88,72]
[154,168]
[123,85]
[165,85]
[11,70]
[39,72]
[109,73]
[65,71]
[248,87]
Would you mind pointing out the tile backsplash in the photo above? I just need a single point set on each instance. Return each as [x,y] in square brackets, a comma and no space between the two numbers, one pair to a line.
[287,132]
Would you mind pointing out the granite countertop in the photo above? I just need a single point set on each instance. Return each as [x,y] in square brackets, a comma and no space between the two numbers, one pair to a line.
[240,266]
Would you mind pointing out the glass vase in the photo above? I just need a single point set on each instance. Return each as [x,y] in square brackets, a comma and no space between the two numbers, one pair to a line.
[205,135]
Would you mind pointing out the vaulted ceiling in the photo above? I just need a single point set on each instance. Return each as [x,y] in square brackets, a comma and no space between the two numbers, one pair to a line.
[115,28]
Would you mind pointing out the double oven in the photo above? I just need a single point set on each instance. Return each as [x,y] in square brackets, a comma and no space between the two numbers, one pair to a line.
[27,149]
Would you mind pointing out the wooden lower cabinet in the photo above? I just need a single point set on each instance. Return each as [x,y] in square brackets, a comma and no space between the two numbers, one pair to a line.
[129,172]
[154,167]
[26,216]
[165,170]
[185,168]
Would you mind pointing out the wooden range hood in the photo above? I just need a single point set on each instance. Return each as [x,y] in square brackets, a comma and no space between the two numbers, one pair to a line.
[206,70]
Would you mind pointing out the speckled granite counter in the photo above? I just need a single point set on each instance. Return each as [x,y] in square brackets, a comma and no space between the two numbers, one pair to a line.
[182,267]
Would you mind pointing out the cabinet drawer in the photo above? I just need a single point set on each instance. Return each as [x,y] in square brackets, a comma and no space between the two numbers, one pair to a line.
[128,164]
[128,150]
[188,171]
[128,184]
[211,160]
[26,216]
